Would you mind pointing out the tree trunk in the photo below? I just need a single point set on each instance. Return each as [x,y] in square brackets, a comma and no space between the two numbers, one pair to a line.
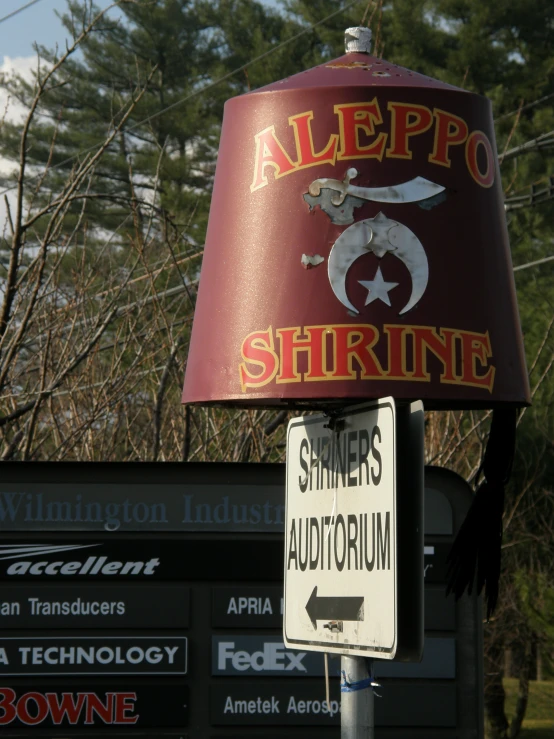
[540,664]
[508,663]
[522,695]
[496,723]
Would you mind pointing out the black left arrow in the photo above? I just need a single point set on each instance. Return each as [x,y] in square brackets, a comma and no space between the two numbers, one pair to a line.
[334,608]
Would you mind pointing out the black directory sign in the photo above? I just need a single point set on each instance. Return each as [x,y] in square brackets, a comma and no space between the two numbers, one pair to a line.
[93,655]
[274,703]
[263,656]
[128,558]
[93,705]
[132,559]
[125,497]
[440,611]
[243,606]
[260,655]
[145,601]
[125,734]
[284,703]
[435,564]
[53,560]
[89,606]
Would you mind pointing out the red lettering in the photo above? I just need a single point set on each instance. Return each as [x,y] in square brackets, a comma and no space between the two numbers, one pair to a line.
[356,119]
[475,140]
[7,706]
[397,352]
[354,343]
[122,707]
[68,705]
[41,711]
[34,708]
[257,350]
[291,344]
[269,153]
[449,131]
[406,120]
[463,356]
[305,143]
[103,711]
[442,346]
[476,348]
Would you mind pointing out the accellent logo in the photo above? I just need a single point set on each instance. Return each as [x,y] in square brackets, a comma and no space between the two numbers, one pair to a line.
[90,566]
[35,708]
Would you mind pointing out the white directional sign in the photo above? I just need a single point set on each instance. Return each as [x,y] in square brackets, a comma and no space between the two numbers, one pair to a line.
[340,538]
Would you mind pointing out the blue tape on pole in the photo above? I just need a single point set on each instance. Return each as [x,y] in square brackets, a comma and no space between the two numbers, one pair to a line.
[347,687]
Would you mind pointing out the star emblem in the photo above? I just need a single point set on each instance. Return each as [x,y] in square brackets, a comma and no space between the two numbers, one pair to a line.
[380,242]
[378,289]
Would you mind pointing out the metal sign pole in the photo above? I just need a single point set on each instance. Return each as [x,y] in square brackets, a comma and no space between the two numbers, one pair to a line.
[357,715]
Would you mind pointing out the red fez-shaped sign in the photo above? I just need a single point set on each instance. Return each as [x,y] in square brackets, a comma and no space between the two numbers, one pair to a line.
[357,248]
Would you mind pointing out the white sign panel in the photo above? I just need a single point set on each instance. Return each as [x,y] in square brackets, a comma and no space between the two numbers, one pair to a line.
[340,538]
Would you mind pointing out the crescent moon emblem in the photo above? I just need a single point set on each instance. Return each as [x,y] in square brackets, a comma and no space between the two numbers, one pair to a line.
[378,235]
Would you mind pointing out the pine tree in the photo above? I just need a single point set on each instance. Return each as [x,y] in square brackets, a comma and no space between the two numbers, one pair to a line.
[177,49]
[104,260]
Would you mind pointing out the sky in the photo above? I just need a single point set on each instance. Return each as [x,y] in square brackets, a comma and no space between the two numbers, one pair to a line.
[37,23]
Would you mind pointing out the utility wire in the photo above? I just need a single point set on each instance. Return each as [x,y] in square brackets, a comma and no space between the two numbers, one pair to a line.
[542,142]
[123,310]
[18,10]
[525,107]
[128,307]
[244,66]
[537,193]
[200,90]
[533,264]
[175,291]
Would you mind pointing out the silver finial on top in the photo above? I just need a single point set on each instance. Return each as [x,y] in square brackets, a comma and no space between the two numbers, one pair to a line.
[357,39]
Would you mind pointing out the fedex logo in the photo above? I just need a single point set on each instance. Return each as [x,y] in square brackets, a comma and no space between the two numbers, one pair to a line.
[273,656]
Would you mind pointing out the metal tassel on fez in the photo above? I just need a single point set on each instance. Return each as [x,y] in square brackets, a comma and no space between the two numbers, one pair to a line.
[378,235]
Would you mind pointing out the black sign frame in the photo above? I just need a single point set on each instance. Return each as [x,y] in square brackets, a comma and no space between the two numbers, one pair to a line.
[46,656]
[201,561]
[95,606]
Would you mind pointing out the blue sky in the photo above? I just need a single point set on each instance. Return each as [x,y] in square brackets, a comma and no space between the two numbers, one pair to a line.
[37,23]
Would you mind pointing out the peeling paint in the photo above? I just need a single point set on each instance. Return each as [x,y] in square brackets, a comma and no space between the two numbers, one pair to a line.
[349,65]
[309,262]
[433,201]
[411,191]
[342,215]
